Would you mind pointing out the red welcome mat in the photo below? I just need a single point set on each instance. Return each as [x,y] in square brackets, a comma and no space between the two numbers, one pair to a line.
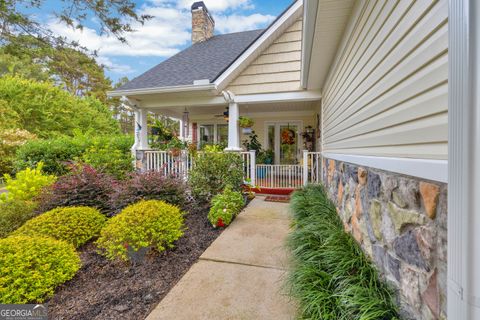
[284,199]
[273,191]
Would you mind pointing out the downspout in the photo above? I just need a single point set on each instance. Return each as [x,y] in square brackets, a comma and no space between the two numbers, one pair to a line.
[464,160]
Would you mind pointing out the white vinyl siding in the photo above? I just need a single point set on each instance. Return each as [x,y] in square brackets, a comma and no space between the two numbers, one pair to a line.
[277,69]
[386,94]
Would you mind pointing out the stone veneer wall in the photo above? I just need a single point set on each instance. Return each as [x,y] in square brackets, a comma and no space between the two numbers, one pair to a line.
[401,223]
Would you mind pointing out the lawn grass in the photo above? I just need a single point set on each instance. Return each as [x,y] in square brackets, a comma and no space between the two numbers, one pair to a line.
[331,277]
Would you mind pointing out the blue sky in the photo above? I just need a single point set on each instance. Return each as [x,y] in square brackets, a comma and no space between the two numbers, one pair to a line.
[168,32]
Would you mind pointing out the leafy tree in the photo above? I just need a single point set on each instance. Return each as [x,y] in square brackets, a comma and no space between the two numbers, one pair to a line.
[113,16]
[69,68]
[122,111]
[48,111]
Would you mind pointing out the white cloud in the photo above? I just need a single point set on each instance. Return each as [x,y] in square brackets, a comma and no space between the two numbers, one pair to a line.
[236,23]
[212,5]
[115,67]
[165,34]
[160,36]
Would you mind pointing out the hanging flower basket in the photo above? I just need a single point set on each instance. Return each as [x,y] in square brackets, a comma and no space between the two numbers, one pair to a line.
[245,122]
[288,136]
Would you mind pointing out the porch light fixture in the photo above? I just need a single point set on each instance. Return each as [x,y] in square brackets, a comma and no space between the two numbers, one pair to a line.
[186,123]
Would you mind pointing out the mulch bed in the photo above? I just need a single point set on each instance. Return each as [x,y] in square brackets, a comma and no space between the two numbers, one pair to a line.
[111,290]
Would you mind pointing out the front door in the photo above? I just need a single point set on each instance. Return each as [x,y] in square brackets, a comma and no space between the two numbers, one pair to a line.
[284,139]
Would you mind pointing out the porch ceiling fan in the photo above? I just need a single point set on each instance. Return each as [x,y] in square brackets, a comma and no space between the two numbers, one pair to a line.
[224,115]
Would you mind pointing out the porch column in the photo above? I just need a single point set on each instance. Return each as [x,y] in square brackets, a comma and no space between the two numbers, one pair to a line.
[141,129]
[233,129]
[182,130]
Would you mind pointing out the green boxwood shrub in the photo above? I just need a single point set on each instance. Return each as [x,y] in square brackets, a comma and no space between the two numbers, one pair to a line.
[58,153]
[13,214]
[75,225]
[225,207]
[32,267]
[331,277]
[213,171]
[144,224]
[111,156]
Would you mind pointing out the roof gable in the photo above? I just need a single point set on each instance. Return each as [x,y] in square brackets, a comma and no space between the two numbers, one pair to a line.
[218,60]
[204,60]
[277,68]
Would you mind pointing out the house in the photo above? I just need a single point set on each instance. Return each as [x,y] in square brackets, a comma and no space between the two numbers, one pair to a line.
[367,84]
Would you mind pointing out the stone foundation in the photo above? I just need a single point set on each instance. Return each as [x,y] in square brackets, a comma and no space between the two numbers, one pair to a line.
[401,223]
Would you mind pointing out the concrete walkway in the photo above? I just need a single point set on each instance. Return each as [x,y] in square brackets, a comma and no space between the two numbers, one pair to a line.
[240,276]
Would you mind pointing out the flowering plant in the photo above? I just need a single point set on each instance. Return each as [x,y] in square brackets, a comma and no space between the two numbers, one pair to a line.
[225,206]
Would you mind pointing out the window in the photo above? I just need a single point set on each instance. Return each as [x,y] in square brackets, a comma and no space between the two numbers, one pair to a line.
[207,136]
[222,134]
[213,134]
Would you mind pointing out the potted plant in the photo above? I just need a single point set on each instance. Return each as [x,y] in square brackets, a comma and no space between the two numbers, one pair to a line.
[269,156]
[248,188]
[175,146]
[246,124]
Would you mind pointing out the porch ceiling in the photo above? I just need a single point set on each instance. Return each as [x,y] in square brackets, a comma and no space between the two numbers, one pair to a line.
[261,108]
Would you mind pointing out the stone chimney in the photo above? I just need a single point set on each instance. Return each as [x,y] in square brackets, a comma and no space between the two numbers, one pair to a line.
[202,23]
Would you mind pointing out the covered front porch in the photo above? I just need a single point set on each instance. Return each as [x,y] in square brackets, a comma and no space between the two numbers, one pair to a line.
[279,148]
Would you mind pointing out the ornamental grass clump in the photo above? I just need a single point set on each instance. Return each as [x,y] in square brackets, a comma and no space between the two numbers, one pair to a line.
[32,267]
[75,225]
[225,206]
[331,277]
[146,224]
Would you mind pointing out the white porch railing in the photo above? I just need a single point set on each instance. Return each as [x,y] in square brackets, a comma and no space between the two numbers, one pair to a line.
[163,161]
[260,175]
[279,176]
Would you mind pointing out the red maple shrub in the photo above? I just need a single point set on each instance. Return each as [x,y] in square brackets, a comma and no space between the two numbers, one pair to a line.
[84,186]
[149,186]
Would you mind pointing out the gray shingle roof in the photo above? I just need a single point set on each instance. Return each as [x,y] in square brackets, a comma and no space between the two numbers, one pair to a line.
[204,60]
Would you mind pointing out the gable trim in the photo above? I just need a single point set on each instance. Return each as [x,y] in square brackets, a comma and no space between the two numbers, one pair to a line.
[309,22]
[194,87]
[258,46]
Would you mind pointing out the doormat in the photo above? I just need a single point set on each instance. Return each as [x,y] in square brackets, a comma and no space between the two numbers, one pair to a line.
[284,199]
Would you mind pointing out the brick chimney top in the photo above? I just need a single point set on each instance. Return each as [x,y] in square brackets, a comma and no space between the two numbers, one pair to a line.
[203,24]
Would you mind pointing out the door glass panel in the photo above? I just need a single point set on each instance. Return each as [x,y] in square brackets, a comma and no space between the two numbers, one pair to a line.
[288,144]
[222,134]
[271,137]
[206,135]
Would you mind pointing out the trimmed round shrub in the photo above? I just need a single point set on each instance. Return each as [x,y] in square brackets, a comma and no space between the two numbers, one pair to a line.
[85,186]
[32,267]
[146,224]
[75,225]
[13,214]
[149,186]
[225,207]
